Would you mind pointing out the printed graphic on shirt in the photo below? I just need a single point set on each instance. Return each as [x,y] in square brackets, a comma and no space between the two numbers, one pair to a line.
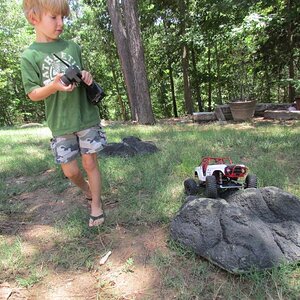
[52,66]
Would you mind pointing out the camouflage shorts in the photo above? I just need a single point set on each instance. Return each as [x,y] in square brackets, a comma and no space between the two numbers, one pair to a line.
[67,147]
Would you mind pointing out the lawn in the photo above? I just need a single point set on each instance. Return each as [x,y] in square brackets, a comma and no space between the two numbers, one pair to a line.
[48,252]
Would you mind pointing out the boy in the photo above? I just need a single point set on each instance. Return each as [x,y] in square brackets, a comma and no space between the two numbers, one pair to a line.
[73,121]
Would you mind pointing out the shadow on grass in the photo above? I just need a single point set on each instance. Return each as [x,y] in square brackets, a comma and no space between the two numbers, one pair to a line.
[147,190]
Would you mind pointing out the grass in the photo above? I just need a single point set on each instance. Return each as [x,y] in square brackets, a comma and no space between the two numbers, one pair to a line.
[149,190]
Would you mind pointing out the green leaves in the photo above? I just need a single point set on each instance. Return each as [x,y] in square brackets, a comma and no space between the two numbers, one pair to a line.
[15,35]
[233,45]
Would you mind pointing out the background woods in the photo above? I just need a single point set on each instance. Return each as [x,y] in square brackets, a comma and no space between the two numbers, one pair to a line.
[160,59]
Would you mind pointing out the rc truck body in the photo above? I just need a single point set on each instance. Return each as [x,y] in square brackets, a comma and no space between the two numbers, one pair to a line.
[217,173]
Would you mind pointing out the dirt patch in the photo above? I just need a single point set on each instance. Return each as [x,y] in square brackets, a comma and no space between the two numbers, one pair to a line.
[66,285]
[127,274]
[129,270]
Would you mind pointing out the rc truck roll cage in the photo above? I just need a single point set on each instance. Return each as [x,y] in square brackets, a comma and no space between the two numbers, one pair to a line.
[215,173]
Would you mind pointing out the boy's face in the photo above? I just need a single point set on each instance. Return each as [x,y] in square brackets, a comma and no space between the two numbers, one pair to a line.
[48,28]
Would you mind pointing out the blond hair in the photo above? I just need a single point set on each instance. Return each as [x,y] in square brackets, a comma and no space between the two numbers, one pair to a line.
[35,8]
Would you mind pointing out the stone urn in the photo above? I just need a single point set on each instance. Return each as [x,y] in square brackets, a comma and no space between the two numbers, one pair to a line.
[242,110]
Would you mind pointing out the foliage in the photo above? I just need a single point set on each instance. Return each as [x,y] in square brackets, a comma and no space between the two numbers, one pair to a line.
[254,52]
[14,35]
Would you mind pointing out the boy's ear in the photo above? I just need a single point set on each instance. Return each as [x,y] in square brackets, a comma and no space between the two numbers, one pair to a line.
[33,18]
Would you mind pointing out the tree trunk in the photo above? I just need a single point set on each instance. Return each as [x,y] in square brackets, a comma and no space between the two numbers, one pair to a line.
[144,108]
[186,80]
[209,77]
[172,88]
[162,95]
[290,38]
[121,40]
[170,68]
[220,101]
[119,97]
[196,82]
[131,53]
[185,60]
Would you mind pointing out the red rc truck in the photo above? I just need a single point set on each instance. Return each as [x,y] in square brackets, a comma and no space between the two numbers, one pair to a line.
[217,173]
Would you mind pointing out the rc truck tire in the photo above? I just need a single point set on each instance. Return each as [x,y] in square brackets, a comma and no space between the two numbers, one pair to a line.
[211,187]
[251,181]
[190,186]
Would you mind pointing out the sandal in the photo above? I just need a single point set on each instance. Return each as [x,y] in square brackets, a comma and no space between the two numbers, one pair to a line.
[93,219]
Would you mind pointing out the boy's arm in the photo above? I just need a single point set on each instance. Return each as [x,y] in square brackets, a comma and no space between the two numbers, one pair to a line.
[43,92]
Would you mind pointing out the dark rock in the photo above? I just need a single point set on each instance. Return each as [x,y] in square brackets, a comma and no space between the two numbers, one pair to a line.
[139,146]
[129,146]
[254,228]
[117,149]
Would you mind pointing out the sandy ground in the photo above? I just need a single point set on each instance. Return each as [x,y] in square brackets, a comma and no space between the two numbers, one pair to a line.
[127,273]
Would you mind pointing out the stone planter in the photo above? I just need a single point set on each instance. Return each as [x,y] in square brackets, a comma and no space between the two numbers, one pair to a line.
[242,110]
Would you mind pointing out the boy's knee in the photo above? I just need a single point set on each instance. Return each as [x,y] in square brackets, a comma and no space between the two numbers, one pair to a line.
[89,163]
[71,172]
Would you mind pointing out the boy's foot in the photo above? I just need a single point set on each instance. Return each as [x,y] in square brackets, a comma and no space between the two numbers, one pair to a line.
[96,221]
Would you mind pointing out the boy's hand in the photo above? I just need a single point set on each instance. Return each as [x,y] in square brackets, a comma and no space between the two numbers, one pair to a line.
[59,86]
[56,85]
[87,78]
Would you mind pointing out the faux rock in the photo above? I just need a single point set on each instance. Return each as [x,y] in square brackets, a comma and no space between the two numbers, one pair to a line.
[129,146]
[248,229]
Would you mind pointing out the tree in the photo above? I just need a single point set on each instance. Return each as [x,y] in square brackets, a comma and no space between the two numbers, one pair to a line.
[185,57]
[126,29]
[163,58]
[15,35]
[207,56]
[279,48]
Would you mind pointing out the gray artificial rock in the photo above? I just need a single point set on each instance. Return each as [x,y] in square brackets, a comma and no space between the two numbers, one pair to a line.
[250,229]
[129,146]
[140,146]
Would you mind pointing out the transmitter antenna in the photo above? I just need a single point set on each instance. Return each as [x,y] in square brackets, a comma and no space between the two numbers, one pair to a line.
[61,60]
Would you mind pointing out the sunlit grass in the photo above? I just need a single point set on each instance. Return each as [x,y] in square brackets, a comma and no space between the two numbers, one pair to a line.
[149,190]
[11,257]
[266,151]
[24,151]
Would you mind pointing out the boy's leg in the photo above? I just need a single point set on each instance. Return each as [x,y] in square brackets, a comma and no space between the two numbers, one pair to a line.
[72,171]
[90,165]
[87,142]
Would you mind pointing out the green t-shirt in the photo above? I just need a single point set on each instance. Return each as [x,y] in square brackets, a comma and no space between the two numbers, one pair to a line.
[66,112]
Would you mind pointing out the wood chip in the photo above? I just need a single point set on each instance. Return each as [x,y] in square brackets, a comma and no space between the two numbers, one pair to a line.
[103,260]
